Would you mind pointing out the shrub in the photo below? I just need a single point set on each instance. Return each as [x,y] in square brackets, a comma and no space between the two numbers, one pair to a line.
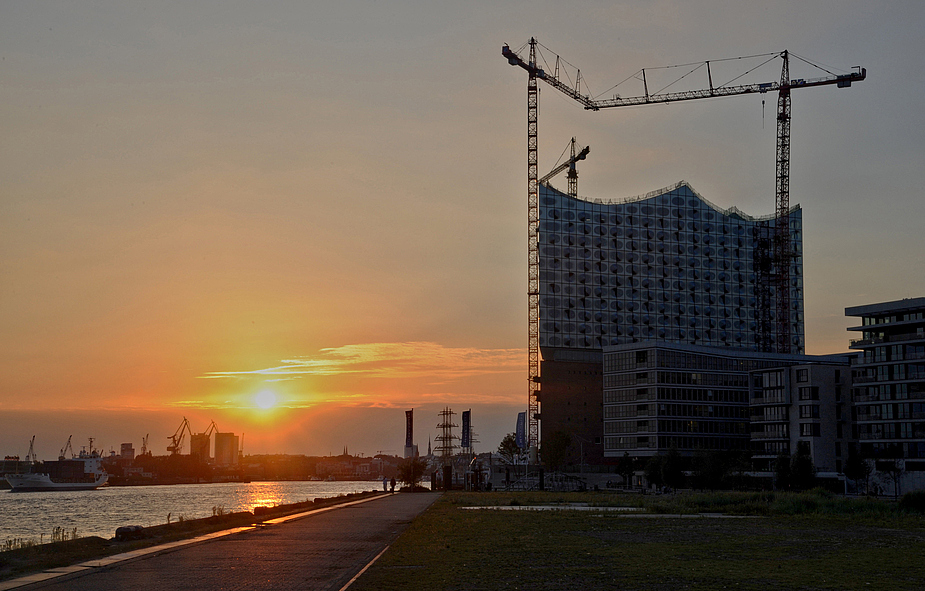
[913,501]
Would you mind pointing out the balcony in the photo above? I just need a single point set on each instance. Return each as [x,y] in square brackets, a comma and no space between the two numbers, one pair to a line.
[769,437]
[892,338]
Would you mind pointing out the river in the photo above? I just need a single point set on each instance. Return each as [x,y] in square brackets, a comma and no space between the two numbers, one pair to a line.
[35,515]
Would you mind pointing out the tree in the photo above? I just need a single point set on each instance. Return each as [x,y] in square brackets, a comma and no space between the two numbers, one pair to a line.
[626,468]
[857,468]
[782,477]
[892,468]
[710,468]
[554,448]
[411,471]
[802,470]
[653,471]
[672,468]
[509,451]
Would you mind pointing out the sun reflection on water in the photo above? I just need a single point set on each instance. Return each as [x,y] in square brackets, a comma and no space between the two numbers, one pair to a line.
[263,494]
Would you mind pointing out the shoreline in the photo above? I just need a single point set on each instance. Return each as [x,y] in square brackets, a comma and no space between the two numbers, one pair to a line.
[19,562]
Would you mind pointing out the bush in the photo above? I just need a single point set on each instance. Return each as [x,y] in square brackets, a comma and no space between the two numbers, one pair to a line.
[913,501]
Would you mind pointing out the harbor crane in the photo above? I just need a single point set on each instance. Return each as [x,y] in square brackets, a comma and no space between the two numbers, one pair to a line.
[176,440]
[30,455]
[67,447]
[144,444]
[778,266]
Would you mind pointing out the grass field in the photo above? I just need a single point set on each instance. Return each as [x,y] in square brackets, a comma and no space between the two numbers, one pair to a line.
[777,541]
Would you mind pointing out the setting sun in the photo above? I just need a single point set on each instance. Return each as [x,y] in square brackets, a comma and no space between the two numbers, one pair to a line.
[265,399]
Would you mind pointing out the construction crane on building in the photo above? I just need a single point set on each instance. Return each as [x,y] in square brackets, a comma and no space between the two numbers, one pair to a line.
[782,256]
[572,170]
[176,440]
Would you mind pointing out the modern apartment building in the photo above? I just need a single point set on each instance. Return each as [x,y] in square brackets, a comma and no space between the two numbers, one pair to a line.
[804,402]
[888,394]
[659,396]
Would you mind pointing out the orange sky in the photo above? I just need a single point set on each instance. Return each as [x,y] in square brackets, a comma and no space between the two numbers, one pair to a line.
[202,202]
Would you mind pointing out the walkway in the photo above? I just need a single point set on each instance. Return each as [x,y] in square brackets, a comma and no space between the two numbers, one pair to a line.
[318,551]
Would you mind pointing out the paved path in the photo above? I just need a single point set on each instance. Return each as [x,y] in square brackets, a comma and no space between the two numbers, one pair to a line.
[319,551]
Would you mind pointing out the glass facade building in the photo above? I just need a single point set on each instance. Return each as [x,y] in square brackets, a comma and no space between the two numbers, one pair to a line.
[661,395]
[669,266]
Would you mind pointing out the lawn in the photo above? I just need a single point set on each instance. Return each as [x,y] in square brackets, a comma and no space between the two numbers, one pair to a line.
[781,542]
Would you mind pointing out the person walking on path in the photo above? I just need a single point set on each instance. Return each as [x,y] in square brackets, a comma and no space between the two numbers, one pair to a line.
[393,485]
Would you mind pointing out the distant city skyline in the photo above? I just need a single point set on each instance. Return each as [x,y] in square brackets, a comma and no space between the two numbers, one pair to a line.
[212,206]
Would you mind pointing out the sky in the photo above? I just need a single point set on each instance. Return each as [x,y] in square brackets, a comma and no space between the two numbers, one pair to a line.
[321,206]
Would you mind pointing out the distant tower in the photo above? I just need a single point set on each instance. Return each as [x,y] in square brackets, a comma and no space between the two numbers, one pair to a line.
[445,441]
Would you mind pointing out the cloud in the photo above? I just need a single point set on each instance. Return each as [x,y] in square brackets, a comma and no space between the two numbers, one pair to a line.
[435,362]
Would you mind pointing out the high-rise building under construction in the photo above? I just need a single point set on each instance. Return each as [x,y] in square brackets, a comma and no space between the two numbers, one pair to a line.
[669,266]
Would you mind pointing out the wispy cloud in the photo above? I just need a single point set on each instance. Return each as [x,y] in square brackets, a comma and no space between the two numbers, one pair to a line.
[389,360]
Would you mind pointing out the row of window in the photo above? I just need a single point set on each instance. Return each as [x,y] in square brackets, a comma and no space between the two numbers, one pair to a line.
[626,395]
[894,353]
[629,227]
[703,410]
[874,320]
[912,449]
[703,427]
[623,411]
[891,431]
[886,392]
[880,412]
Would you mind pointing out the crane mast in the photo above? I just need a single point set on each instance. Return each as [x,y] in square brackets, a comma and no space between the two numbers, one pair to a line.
[782,251]
[778,264]
[533,254]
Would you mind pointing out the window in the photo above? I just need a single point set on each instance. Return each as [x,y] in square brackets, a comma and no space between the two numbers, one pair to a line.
[802,375]
[809,393]
[809,429]
[772,379]
[809,411]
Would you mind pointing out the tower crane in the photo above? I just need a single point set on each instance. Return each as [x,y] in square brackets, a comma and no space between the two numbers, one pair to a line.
[572,171]
[782,255]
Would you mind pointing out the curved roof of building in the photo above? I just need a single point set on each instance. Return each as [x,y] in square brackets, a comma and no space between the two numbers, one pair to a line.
[733,211]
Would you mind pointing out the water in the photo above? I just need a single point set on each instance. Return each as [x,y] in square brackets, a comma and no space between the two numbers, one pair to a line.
[34,515]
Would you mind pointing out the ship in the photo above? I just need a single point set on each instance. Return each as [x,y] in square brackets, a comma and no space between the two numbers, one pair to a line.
[83,471]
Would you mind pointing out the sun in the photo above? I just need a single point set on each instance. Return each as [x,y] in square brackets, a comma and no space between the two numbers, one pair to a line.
[265,399]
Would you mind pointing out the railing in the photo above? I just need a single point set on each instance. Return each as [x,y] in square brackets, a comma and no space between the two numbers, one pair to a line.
[766,437]
[877,398]
[894,338]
